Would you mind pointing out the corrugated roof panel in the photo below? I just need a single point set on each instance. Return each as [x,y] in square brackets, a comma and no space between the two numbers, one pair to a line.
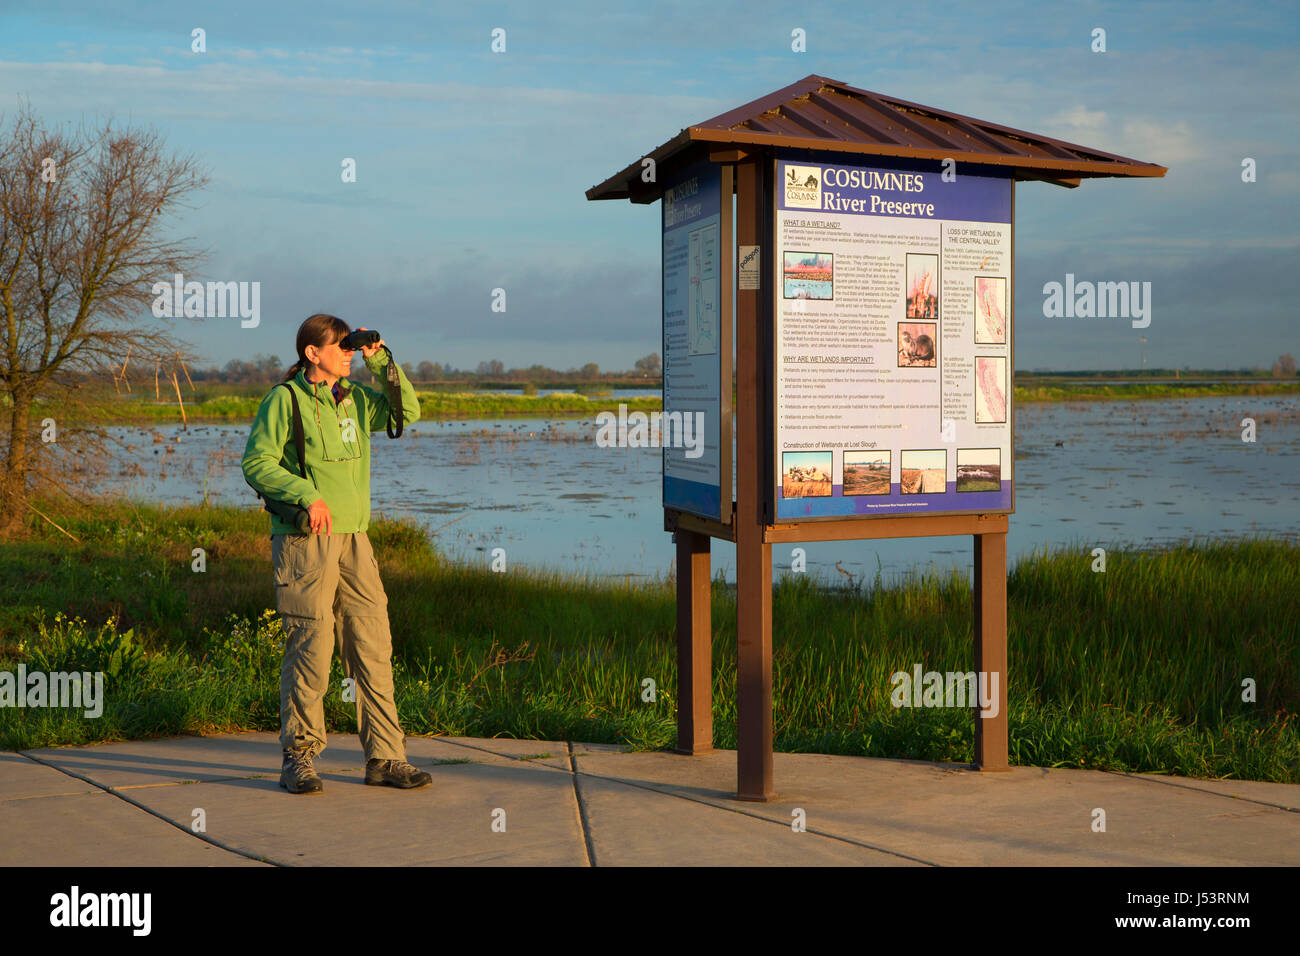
[823,114]
[786,122]
[868,122]
[818,121]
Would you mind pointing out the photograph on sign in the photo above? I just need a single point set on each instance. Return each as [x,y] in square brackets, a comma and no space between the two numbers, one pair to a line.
[809,275]
[979,469]
[866,472]
[892,342]
[694,343]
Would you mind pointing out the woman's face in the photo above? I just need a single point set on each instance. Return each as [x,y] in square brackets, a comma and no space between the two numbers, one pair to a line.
[332,359]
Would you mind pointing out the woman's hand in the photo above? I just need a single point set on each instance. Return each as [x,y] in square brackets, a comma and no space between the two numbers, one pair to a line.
[321,520]
[369,350]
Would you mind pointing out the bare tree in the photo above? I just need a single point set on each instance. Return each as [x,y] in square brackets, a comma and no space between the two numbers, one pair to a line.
[1284,366]
[80,220]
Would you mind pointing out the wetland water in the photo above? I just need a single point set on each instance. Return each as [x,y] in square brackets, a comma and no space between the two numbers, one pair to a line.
[1125,474]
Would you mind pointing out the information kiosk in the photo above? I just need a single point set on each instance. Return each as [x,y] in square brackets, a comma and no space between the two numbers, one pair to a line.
[874,268]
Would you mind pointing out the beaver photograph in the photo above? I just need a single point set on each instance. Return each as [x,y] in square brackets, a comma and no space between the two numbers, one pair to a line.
[916,344]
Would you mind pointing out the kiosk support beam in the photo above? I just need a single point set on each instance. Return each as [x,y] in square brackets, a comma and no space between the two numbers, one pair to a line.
[694,644]
[991,645]
[753,553]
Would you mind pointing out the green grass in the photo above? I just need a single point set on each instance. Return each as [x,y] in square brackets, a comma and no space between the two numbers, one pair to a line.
[1139,668]
[1133,391]
[212,405]
[443,405]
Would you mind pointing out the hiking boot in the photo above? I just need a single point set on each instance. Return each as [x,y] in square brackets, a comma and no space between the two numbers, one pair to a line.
[297,775]
[395,773]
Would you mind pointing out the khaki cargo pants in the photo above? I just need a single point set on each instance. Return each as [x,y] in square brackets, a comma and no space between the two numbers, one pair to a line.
[327,590]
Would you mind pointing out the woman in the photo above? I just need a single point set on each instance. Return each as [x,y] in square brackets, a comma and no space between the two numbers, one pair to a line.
[329,575]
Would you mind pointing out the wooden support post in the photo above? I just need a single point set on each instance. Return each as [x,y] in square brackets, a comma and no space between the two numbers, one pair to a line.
[694,644]
[991,646]
[753,554]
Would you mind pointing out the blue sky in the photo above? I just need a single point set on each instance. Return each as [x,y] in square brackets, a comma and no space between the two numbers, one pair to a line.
[472,166]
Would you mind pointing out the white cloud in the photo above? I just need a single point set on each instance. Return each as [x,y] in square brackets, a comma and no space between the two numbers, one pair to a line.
[1210,242]
[262,95]
[1079,120]
[1167,144]
[1139,137]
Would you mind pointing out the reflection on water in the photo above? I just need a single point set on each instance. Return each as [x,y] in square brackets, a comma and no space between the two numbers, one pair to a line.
[1108,474]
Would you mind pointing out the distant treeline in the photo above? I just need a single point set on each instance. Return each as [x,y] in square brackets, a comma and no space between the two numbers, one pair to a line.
[647,373]
[268,369]
[1284,367]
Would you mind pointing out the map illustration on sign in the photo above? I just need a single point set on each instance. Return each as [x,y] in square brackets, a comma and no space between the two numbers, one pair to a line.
[702,317]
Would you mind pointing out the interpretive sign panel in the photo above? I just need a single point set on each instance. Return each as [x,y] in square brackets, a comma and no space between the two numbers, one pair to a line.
[892,345]
[694,428]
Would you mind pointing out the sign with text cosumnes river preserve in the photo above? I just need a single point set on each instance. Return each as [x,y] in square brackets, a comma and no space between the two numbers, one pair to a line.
[892,346]
[696,440]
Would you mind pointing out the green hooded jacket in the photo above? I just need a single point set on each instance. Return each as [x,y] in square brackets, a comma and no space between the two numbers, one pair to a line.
[338,448]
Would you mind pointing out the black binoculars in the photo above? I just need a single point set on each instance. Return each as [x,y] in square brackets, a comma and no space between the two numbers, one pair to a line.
[295,515]
[361,337]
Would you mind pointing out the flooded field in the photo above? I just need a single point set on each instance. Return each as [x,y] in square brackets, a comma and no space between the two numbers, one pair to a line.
[1109,474]
[986,477]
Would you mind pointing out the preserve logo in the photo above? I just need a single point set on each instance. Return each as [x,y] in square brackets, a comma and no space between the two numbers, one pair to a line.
[803,187]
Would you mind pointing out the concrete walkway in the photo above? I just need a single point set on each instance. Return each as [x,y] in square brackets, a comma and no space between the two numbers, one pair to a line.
[571,804]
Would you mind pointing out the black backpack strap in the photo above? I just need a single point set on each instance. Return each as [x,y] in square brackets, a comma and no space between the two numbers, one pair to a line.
[299,442]
[294,514]
[395,413]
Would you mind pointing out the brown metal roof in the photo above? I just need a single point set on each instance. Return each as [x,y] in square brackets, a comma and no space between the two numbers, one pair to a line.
[823,114]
